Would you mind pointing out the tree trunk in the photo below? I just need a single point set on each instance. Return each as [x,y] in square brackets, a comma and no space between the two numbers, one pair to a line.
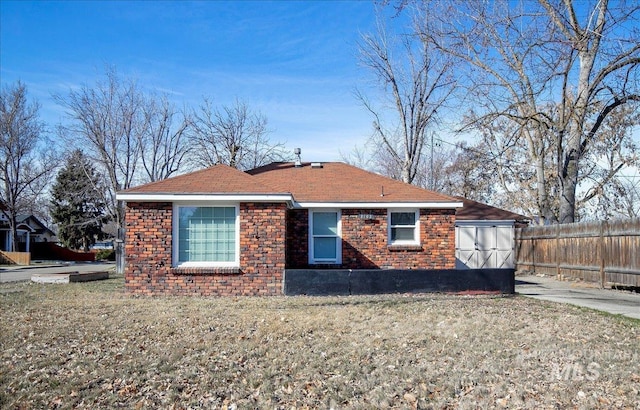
[573,151]
[405,174]
[568,184]
[543,195]
[13,233]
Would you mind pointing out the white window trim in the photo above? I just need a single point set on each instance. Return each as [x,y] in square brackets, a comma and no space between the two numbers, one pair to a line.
[416,232]
[175,241]
[312,259]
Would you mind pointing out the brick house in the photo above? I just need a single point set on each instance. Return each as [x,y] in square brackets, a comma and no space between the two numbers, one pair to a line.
[221,231]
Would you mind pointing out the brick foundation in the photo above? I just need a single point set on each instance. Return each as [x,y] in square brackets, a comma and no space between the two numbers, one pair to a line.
[148,245]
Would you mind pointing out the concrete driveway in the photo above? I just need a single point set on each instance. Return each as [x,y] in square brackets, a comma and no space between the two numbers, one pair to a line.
[580,294]
[19,273]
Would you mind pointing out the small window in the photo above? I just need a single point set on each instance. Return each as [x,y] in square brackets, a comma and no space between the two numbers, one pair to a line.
[325,244]
[404,228]
[206,236]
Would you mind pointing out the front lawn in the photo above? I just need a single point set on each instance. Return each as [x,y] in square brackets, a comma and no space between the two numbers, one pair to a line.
[88,345]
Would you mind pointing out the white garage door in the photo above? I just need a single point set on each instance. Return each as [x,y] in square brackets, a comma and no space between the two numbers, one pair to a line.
[481,245]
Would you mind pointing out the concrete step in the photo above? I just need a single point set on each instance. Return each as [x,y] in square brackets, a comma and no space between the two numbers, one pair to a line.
[68,277]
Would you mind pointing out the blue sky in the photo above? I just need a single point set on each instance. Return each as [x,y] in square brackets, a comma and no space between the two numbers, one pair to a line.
[293,61]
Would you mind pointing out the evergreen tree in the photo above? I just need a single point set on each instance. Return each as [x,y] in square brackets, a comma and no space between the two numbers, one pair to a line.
[77,205]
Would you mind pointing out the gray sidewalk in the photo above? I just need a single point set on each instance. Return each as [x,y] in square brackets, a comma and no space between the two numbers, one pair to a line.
[20,273]
[580,294]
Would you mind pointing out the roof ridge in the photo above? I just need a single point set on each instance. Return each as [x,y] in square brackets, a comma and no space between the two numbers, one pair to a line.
[195,174]
[304,183]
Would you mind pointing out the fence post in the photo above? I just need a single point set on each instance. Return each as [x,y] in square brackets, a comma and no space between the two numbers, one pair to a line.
[602,255]
[120,256]
[533,254]
[557,250]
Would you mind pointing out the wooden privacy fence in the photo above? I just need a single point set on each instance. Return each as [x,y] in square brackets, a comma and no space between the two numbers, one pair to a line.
[607,253]
[15,258]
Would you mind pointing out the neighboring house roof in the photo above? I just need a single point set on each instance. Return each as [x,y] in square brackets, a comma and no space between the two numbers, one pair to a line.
[37,226]
[25,227]
[477,211]
[30,223]
[329,183]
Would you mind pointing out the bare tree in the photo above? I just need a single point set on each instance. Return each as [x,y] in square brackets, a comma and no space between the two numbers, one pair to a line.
[417,79]
[502,79]
[609,153]
[26,160]
[618,199]
[552,69]
[468,174]
[520,164]
[628,198]
[604,52]
[358,157]
[499,170]
[163,144]
[233,135]
[108,121]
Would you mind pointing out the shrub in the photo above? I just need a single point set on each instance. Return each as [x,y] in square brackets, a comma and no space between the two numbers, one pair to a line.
[106,255]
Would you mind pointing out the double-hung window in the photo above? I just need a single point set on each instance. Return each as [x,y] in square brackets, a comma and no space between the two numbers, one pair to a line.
[404,227]
[325,245]
[206,236]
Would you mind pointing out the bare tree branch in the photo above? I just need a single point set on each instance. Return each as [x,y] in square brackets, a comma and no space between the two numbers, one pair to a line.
[26,160]
[108,119]
[233,135]
[417,85]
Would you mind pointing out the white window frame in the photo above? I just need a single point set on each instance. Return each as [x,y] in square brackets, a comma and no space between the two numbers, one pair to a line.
[416,229]
[322,261]
[176,240]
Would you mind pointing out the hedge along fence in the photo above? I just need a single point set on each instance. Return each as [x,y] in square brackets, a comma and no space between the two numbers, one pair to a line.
[607,253]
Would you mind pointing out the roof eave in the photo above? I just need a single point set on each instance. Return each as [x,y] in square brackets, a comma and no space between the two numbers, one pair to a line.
[484,221]
[377,205]
[188,197]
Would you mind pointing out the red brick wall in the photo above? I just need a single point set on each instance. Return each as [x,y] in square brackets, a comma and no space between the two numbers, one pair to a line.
[148,254]
[263,251]
[297,238]
[365,243]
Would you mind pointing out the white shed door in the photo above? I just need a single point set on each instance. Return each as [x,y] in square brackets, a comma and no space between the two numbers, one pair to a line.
[483,246]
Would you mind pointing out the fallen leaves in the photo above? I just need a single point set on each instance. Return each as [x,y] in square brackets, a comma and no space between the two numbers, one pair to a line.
[86,346]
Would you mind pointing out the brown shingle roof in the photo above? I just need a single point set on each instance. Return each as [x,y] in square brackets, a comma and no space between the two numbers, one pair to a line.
[339,182]
[218,179]
[333,182]
[473,210]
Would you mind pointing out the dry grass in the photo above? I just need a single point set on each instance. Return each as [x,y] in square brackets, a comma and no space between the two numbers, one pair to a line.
[90,346]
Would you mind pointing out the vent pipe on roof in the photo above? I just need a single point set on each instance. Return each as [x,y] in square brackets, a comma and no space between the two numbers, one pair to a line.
[297,152]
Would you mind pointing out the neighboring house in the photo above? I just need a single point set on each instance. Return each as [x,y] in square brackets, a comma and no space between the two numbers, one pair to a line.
[485,236]
[221,231]
[30,229]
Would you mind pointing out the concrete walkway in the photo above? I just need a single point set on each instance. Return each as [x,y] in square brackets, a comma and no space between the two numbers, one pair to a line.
[580,294]
[15,273]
